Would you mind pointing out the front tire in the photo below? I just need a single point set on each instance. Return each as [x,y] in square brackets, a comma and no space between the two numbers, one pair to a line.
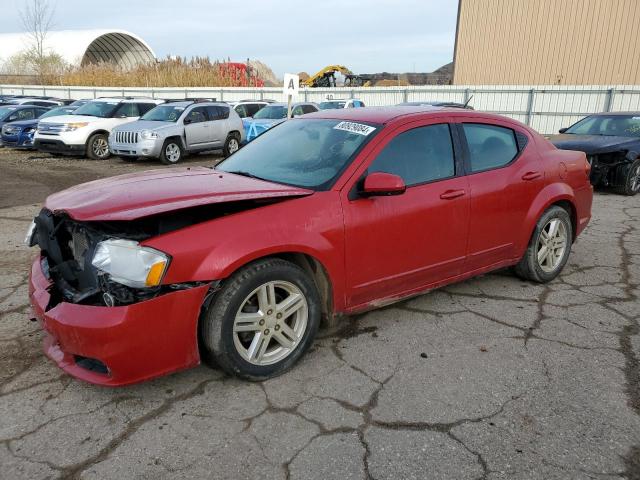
[262,321]
[631,184]
[549,247]
[231,145]
[172,152]
[98,147]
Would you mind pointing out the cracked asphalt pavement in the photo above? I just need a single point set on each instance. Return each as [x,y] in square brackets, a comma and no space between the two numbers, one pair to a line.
[493,378]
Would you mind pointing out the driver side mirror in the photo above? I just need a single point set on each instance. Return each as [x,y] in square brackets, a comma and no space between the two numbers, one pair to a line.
[562,130]
[187,121]
[383,184]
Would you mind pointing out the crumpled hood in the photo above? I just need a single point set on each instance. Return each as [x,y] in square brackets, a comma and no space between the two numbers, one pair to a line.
[137,195]
[593,144]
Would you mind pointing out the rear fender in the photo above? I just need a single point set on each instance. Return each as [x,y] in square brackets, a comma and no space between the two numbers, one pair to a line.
[552,193]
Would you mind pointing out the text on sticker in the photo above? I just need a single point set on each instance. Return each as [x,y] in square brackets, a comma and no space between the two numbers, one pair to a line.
[352,127]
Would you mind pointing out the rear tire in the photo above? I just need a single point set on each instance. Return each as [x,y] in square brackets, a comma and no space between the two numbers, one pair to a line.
[262,321]
[172,152]
[231,145]
[549,247]
[98,147]
[631,180]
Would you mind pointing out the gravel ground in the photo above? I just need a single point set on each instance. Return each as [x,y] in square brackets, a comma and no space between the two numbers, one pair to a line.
[493,378]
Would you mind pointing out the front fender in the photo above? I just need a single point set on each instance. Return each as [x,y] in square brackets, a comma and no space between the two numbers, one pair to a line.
[215,249]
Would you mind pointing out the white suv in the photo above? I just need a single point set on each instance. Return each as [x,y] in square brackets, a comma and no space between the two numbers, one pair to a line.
[86,131]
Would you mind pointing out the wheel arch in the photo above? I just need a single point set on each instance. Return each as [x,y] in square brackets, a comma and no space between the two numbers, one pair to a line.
[100,131]
[178,138]
[97,132]
[553,194]
[308,262]
[236,134]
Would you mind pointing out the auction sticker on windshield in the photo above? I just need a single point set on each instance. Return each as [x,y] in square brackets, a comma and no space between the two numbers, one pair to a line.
[353,127]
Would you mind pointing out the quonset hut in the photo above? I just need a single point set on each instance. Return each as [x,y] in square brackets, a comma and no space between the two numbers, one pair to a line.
[83,47]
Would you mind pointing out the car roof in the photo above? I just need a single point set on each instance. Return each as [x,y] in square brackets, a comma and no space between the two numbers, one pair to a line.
[630,114]
[20,107]
[384,115]
[294,104]
[126,99]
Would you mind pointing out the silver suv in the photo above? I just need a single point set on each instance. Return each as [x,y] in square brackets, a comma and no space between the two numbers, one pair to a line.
[173,129]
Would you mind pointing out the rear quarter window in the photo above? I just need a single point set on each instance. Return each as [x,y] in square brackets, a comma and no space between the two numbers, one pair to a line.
[490,146]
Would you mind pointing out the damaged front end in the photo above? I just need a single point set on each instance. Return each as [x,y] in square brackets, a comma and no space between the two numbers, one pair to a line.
[75,258]
[610,169]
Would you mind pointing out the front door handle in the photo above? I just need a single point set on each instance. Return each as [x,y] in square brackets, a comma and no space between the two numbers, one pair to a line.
[531,176]
[451,194]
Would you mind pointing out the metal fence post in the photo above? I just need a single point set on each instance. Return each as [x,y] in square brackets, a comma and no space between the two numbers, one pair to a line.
[609,101]
[405,95]
[221,95]
[532,94]
[467,95]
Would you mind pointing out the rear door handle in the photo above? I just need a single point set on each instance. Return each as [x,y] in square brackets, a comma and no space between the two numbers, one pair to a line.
[451,194]
[531,175]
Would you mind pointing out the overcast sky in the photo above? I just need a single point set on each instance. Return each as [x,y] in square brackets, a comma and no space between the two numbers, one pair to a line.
[367,36]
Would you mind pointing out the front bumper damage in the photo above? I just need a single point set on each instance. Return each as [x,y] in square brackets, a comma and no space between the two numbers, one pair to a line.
[119,345]
[136,335]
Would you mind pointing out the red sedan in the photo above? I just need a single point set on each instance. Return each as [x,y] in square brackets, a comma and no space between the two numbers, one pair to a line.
[333,213]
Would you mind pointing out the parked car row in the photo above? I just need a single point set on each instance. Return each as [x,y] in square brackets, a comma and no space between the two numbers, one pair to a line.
[134,128]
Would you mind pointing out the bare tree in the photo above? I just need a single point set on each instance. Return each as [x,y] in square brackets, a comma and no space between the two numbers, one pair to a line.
[37,20]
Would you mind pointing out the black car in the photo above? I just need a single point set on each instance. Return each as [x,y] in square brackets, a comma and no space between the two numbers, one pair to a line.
[612,144]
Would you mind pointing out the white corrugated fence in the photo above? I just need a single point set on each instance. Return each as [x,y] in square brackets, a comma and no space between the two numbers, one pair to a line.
[545,107]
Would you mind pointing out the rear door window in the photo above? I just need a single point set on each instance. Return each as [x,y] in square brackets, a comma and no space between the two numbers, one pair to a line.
[217,112]
[420,155]
[242,110]
[127,110]
[253,108]
[145,107]
[490,146]
[197,115]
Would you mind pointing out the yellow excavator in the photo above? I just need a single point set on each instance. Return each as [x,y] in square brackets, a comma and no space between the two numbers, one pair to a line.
[327,78]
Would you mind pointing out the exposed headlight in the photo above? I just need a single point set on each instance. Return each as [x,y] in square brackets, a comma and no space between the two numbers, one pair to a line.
[28,239]
[148,135]
[129,263]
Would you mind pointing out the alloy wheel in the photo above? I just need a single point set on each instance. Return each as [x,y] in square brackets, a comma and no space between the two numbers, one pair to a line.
[233,146]
[270,323]
[100,147]
[635,179]
[552,244]
[172,152]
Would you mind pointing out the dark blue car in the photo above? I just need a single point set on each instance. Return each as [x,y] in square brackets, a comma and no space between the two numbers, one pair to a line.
[19,134]
[10,114]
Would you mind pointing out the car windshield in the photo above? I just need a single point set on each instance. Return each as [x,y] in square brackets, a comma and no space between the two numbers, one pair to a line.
[97,109]
[305,152]
[164,113]
[6,111]
[57,111]
[610,125]
[332,105]
[78,103]
[272,112]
